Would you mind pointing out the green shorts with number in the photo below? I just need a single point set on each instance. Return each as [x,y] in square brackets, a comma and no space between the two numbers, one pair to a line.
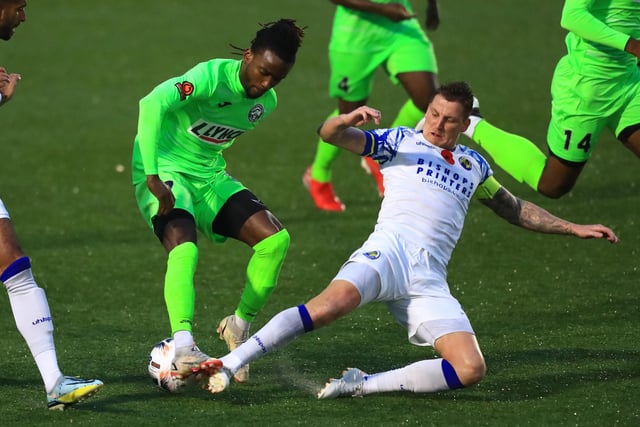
[352,71]
[583,106]
[203,199]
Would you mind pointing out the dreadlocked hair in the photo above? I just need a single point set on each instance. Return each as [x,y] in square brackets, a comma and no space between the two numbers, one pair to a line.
[283,37]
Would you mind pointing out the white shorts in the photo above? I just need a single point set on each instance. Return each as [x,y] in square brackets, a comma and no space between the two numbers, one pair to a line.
[4,213]
[411,282]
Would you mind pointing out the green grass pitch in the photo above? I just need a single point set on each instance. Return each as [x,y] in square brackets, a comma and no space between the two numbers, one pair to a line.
[556,317]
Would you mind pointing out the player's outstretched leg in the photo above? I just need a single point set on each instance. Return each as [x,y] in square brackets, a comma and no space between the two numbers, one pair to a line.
[71,390]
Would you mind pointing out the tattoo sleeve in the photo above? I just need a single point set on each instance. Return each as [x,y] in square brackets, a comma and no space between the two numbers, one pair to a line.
[526,214]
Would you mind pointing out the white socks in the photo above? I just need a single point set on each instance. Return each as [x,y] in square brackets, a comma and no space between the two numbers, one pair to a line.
[421,377]
[183,339]
[283,328]
[33,320]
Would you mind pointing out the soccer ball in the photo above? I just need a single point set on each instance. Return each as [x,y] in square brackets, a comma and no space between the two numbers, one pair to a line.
[161,364]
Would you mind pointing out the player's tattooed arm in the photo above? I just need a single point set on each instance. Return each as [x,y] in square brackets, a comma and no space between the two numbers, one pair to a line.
[526,214]
[532,217]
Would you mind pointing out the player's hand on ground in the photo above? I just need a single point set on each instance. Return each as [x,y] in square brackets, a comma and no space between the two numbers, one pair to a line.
[162,192]
[362,115]
[594,231]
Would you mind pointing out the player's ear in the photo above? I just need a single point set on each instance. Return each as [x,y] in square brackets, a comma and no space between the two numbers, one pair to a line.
[465,124]
[247,56]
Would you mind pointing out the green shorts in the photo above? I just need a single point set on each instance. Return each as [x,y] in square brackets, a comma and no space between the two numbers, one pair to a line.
[352,71]
[203,199]
[583,106]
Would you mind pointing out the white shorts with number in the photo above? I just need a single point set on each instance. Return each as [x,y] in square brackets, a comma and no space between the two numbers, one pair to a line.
[411,282]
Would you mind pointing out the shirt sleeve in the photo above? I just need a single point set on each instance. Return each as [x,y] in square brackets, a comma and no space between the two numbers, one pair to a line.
[169,95]
[577,19]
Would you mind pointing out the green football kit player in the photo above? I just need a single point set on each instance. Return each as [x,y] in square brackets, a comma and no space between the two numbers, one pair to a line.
[367,35]
[596,85]
[181,184]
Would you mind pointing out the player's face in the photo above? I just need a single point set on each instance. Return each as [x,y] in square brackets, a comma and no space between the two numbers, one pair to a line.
[11,15]
[260,71]
[444,122]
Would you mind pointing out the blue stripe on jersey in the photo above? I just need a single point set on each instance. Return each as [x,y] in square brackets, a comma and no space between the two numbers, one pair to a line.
[307,323]
[15,267]
[368,145]
[450,375]
[386,141]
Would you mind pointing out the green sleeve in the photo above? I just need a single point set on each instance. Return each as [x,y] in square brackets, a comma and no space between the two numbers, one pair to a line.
[577,19]
[152,110]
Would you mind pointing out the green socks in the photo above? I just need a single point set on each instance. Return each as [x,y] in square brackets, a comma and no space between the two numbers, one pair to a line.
[179,294]
[409,115]
[326,154]
[518,156]
[262,274]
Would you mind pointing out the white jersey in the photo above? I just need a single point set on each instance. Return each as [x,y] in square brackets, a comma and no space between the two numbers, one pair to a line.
[427,188]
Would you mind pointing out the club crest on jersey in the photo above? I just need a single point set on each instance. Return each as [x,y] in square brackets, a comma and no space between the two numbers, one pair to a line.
[214,133]
[465,163]
[255,113]
[372,254]
[184,89]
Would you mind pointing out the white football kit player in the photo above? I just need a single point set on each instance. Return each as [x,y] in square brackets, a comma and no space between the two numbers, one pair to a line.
[419,224]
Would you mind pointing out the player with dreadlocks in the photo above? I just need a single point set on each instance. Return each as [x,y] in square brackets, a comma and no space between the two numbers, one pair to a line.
[181,184]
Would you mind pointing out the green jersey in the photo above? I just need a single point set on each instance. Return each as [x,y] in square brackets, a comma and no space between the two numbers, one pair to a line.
[357,31]
[599,32]
[186,122]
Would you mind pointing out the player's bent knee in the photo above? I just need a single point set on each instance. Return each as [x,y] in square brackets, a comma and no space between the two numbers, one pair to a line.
[464,373]
[471,372]
[275,245]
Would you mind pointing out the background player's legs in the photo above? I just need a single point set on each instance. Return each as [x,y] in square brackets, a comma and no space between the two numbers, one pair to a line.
[633,142]
[558,177]
[318,177]
[420,86]
[326,154]
[516,155]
